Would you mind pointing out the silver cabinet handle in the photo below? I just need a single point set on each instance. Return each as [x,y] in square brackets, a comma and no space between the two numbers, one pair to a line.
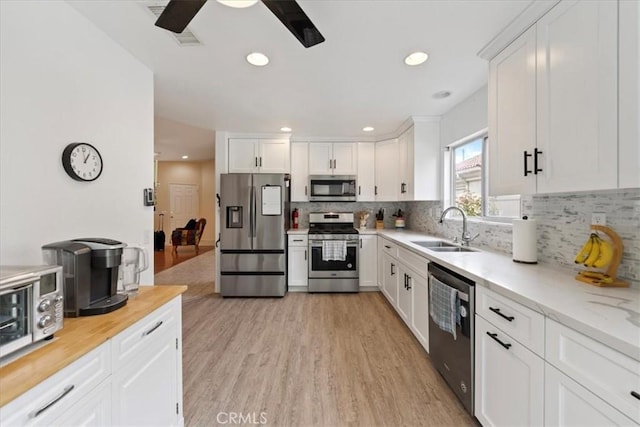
[298,240]
[55,400]
[157,325]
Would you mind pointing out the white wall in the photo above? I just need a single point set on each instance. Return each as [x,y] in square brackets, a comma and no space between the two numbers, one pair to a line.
[61,81]
[466,118]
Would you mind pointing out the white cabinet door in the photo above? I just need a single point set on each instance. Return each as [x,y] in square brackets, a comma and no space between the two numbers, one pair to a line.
[145,392]
[380,263]
[274,156]
[404,294]
[509,386]
[387,170]
[420,309]
[243,155]
[300,172]
[567,403]
[298,267]
[368,265]
[405,165]
[366,172]
[345,158]
[390,282]
[512,117]
[320,158]
[577,96]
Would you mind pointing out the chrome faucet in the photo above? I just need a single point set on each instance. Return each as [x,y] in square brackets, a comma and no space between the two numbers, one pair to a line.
[466,236]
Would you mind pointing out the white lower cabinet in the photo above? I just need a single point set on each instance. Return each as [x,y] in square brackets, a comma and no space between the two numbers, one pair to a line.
[93,409]
[368,260]
[404,283]
[298,262]
[135,378]
[420,309]
[568,403]
[509,385]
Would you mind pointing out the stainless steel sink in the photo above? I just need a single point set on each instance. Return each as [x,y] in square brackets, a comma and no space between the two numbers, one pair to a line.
[452,249]
[430,244]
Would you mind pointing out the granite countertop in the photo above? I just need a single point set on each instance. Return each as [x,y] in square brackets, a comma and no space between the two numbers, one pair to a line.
[78,337]
[609,315]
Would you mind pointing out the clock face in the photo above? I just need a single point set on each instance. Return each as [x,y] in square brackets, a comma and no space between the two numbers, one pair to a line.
[82,161]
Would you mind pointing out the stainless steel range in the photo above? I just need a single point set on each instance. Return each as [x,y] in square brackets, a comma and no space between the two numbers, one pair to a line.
[333,249]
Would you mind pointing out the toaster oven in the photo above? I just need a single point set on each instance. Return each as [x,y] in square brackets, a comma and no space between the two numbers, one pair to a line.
[31,305]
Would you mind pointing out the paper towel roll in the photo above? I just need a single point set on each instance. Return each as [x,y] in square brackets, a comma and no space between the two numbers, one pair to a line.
[524,247]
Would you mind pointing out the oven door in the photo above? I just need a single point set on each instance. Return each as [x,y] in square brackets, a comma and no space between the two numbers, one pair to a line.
[318,268]
[16,305]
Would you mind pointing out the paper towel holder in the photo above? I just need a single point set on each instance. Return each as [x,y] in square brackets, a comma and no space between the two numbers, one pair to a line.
[524,261]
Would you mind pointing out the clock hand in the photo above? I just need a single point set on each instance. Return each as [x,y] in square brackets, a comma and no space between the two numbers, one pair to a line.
[86,158]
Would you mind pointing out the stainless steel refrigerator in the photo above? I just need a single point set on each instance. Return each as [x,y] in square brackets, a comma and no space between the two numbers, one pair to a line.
[254,211]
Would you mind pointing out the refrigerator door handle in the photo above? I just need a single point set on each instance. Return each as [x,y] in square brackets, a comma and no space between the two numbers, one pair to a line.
[254,214]
[251,202]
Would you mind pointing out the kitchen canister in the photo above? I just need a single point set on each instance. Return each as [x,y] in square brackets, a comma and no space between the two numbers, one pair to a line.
[524,245]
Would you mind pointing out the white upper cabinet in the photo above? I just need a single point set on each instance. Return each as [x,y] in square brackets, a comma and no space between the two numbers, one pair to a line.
[339,158]
[299,171]
[387,178]
[577,85]
[512,121]
[553,97]
[419,161]
[366,172]
[258,155]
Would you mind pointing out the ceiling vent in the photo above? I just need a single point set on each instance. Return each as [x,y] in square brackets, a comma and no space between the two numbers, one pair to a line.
[186,38]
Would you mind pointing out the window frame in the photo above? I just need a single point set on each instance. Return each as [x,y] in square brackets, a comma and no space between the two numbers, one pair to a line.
[449,178]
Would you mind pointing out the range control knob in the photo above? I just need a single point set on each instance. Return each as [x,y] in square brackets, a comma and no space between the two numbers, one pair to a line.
[44,305]
[45,321]
[58,299]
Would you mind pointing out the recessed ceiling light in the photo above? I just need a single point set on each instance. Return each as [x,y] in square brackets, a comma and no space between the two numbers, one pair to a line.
[258,59]
[416,58]
[367,129]
[185,157]
[442,94]
[238,3]
[285,129]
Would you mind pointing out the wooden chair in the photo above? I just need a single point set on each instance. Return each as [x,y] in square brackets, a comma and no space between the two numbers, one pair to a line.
[184,237]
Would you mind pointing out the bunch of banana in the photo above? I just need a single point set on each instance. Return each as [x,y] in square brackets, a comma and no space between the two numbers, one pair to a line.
[596,252]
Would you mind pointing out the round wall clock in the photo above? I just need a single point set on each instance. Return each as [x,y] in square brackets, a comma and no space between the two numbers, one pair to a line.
[82,161]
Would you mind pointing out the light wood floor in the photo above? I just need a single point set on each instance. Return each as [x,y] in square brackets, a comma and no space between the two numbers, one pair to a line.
[308,359]
[163,260]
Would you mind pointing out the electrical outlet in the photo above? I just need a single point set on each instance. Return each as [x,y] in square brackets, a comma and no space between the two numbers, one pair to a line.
[598,218]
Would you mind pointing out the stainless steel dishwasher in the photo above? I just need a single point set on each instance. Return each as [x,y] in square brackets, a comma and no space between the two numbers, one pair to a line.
[453,355]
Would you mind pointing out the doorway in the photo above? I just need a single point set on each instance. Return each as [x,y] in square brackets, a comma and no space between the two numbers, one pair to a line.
[184,204]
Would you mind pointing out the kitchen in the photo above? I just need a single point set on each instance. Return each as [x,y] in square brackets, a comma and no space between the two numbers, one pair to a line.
[421,215]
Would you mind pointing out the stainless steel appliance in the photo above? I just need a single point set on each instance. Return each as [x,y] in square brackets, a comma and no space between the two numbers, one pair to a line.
[328,232]
[255,216]
[452,353]
[332,188]
[90,267]
[30,305]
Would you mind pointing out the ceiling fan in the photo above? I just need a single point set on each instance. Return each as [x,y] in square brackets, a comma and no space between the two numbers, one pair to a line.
[178,13]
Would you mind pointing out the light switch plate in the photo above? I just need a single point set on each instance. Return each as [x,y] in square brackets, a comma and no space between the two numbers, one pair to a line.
[598,218]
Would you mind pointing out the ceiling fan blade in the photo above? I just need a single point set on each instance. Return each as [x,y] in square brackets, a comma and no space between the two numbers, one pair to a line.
[296,21]
[178,13]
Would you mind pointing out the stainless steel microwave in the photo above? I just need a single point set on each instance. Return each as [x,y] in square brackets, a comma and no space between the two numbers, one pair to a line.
[332,188]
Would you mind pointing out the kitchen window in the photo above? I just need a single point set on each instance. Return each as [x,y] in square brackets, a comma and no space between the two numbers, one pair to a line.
[468,181]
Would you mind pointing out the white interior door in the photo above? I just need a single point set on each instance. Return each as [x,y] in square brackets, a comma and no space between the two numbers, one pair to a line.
[184,204]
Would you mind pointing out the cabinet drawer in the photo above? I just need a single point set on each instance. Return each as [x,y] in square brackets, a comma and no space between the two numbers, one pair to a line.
[390,248]
[128,344]
[414,261]
[49,399]
[521,323]
[298,240]
[607,373]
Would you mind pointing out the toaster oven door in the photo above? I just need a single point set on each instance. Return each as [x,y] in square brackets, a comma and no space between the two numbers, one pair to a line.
[16,307]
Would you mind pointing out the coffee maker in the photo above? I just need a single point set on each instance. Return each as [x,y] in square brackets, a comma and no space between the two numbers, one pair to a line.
[90,270]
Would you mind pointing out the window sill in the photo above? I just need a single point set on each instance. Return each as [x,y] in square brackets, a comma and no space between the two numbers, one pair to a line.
[485,220]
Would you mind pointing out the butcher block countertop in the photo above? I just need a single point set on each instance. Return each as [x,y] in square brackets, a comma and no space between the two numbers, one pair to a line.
[78,337]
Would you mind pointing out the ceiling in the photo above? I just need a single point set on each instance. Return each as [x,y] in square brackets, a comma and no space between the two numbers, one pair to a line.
[356,78]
